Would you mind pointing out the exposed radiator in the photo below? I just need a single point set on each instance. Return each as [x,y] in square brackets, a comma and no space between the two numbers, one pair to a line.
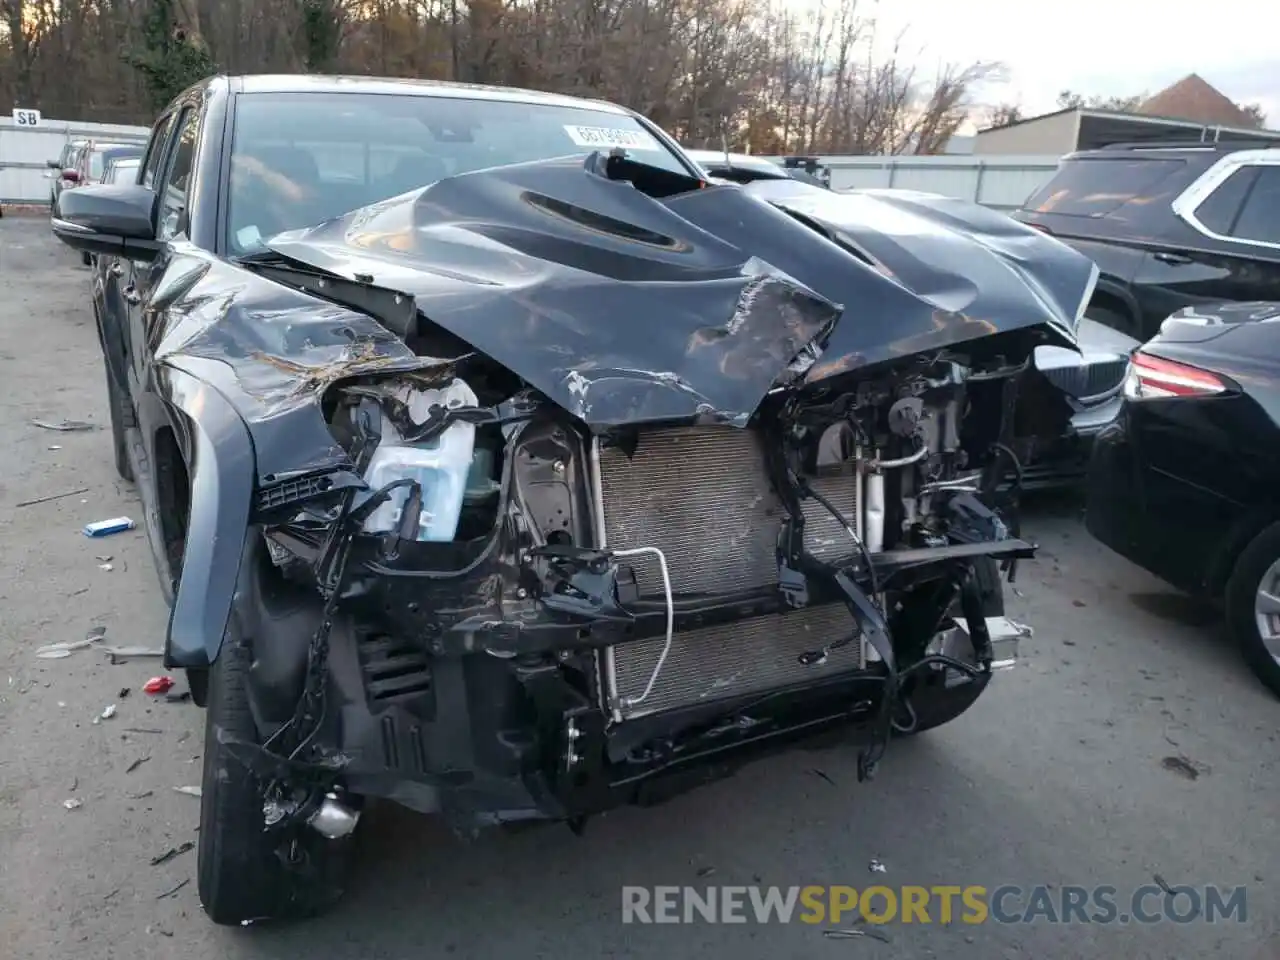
[750,656]
[702,496]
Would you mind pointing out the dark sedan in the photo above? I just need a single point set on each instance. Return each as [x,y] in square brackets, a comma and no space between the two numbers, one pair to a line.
[1186,482]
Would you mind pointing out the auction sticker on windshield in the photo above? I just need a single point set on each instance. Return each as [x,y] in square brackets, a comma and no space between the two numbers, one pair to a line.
[608,137]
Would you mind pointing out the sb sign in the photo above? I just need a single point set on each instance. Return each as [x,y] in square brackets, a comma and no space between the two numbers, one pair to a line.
[26,118]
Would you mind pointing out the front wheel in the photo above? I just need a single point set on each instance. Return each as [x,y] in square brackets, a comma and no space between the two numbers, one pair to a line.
[1253,606]
[244,872]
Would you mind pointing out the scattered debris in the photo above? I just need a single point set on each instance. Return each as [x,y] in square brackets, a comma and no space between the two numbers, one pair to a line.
[51,497]
[158,685]
[1172,742]
[75,784]
[136,764]
[65,426]
[172,852]
[105,559]
[189,791]
[1183,767]
[140,796]
[55,446]
[1078,603]
[181,697]
[1017,592]
[57,651]
[1162,883]
[706,871]
[151,931]
[142,730]
[875,866]
[818,773]
[105,528]
[124,692]
[170,893]
[106,566]
[73,803]
[119,654]
[108,711]
[852,933]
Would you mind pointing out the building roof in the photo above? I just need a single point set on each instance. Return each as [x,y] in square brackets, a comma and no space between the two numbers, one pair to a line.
[1194,98]
[1098,127]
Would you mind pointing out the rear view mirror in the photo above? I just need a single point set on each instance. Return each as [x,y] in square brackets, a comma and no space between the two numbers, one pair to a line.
[115,219]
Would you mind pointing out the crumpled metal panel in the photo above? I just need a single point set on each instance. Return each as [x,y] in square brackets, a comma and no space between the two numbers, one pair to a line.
[622,308]
[596,294]
[628,308]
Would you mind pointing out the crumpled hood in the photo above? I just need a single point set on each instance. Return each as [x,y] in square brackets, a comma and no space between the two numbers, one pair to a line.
[969,269]
[625,307]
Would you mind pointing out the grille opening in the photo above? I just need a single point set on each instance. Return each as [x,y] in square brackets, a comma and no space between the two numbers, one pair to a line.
[392,669]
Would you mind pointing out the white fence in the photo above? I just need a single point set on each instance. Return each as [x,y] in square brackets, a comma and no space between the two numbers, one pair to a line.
[26,150]
[999,182]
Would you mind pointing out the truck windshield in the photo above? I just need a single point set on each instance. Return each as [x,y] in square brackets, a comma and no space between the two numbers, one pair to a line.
[298,159]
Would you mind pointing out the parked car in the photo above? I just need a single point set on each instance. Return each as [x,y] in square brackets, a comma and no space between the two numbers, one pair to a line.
[1052,449]
[94,160]
[88,165]
[496,463]
[745,168]
[1186,482]
[1169,225]
[122,170]
[119,169]
[62,171]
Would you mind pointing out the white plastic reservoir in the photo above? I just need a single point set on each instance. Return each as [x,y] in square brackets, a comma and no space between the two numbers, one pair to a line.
[440,466]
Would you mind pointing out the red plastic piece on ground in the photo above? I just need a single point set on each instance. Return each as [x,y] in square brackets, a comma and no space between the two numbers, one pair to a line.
[158,685]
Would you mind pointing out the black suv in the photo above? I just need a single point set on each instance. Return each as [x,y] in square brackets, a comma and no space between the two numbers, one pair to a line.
[1169,225]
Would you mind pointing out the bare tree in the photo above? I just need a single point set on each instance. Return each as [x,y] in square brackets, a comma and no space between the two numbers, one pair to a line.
[758,75]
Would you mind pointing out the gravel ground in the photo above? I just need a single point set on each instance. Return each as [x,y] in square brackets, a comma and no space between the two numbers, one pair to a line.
[1130,742]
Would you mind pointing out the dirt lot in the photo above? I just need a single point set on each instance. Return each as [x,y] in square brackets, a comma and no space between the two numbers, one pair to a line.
[1131,742]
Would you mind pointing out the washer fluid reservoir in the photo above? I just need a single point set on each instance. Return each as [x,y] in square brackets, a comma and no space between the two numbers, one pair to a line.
[440,465]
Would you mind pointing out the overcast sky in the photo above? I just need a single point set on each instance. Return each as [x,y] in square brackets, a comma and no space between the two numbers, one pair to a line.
[1108,47]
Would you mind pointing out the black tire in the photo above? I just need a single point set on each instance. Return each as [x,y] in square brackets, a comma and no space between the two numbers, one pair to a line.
[198,684]
[243,872]
[123,419]
[1113,319]
[1241,594]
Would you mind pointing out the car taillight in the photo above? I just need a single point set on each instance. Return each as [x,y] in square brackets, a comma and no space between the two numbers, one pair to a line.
[1151,377]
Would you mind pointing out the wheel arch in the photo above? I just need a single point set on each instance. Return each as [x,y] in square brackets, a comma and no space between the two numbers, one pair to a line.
[213,453]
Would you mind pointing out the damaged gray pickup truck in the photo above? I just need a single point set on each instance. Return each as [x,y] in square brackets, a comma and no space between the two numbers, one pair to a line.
[497,464]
